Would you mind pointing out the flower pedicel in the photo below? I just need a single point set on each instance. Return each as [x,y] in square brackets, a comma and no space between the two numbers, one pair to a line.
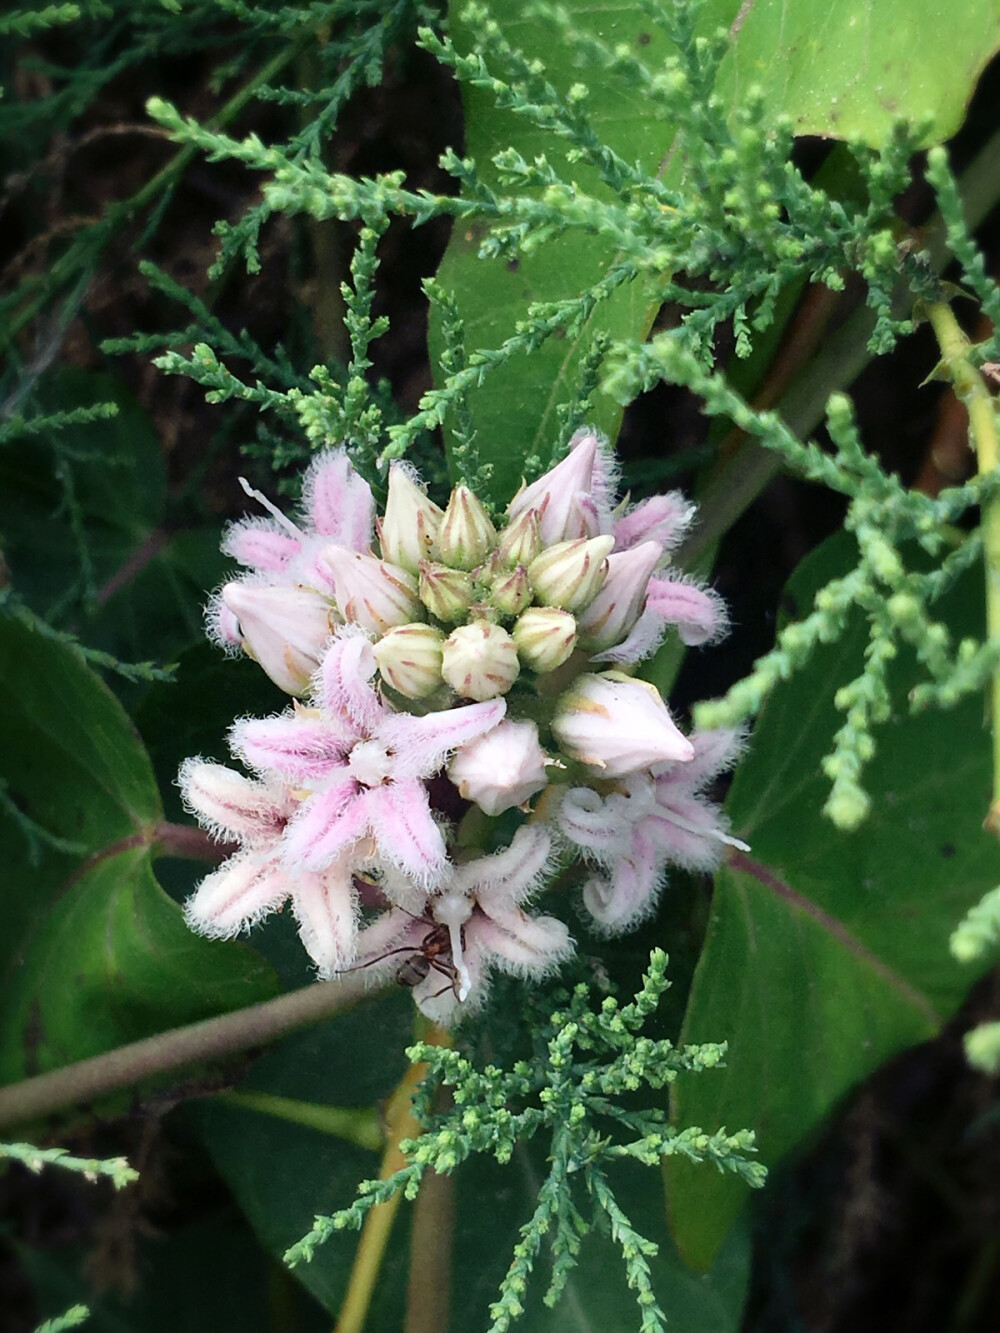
[432,651]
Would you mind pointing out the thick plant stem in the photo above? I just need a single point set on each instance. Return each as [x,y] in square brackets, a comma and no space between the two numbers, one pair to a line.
[971,390]
[428,1293]
[401,1124]
[213,1039]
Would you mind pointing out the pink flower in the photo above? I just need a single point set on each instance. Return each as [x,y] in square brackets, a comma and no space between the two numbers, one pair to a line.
[698,613]
[282,612]
[255,882]
[661,518]
[575,498]
[338,506]
[474,925]
[653,820]
[617,725]
[502,769]
[359,766]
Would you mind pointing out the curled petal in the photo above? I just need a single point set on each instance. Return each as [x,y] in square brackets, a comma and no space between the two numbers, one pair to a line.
[339,502]
[661,518]
[508,877]
[522,944]
[699,613]
[232,806]
[405,832]
[237,895]
[344,678]
[325,908]
[596,823]
[627,895]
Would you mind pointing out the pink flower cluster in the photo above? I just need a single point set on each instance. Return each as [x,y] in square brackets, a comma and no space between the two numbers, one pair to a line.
[437,657]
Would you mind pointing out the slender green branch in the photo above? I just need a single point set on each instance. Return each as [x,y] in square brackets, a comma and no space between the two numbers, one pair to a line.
[971,389]
[212,1039]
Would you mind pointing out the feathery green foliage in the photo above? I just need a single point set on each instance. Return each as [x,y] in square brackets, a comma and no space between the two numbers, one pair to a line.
[576,1092]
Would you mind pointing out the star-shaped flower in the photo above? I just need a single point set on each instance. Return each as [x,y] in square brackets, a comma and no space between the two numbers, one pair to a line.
[359,767]
[255,881]
[650,820]
[473,925]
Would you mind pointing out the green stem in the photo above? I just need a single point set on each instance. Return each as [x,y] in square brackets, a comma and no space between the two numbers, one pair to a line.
[971,390]
[358,1125]
[212,1039]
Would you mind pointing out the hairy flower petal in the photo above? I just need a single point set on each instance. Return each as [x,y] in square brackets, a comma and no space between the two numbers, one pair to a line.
[236,896]
[339,501]
[232,806]
[422,744]
[325,908]
[300,746]
[400,818]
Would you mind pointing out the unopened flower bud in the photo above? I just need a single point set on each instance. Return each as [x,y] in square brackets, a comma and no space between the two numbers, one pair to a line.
[520,541]
[466,535]
[617,725]
[545,637]
[409,659]
[480,661]
[564,496]
[410,526]
[371,593]
[512,592]
[447,593]
[502,769]
[285,629]
[614,611]
[570,574]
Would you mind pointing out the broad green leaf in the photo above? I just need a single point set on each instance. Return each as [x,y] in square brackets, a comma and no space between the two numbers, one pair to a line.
[93,952]
[827,952]
[843,68]
[283,1174]
[853,69]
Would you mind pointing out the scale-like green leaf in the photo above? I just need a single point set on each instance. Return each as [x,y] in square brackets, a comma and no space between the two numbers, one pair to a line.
[93,952]
[827,952]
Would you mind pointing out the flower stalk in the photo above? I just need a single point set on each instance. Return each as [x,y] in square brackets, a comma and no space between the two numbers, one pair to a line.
[971,390]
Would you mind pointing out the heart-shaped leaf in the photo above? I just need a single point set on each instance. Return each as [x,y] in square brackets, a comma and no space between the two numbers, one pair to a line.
[827,952]
[93,952]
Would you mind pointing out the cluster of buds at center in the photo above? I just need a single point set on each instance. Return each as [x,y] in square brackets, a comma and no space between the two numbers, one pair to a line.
[492,603]
[451,648]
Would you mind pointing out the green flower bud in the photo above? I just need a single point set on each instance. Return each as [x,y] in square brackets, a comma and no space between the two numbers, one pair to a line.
[411,521]
[447,593]
[480,661]
[512,593]
[466,536]
[409,659]
[545,638]
[520,541]
[569,575]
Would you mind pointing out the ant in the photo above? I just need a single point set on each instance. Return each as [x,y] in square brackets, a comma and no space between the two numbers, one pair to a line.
[433,952]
